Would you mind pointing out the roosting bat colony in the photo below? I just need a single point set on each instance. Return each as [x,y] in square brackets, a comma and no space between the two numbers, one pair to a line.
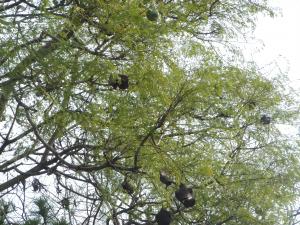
[183,194]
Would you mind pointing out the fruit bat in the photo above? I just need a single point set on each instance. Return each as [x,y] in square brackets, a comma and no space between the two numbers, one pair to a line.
[165,179]
[185,196]
[265,119]
[163,217]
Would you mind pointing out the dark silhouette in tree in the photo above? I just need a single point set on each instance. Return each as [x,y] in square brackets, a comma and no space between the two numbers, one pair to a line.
[163,217]
[36,184]
[152,15]
[121,82]
[185,195]
[127,186]
[165,179]
[265,120]
[124,83]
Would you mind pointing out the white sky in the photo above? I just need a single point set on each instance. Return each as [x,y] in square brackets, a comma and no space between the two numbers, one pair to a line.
[281,39]
[278,46]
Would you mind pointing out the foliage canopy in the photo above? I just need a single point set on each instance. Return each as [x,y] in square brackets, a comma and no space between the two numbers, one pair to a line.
[99,97]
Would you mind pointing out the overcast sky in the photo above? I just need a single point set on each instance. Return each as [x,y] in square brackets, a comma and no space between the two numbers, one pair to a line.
[281,39]
[277,48]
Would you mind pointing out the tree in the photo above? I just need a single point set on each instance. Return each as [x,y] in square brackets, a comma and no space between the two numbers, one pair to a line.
[96,102]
